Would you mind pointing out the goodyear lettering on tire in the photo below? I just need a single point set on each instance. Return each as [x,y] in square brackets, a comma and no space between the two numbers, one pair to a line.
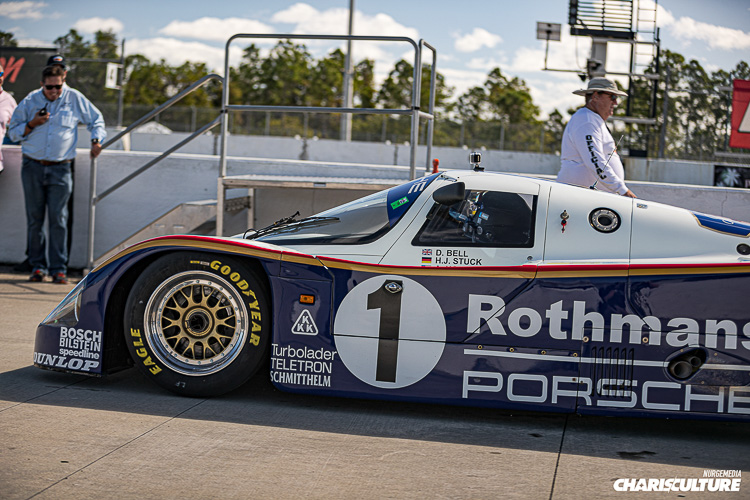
[244,287]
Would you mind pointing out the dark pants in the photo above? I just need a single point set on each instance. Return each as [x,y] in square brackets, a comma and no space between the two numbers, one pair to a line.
[47,189]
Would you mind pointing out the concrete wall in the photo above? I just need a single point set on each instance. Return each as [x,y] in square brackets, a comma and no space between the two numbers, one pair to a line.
[641,169]
[330,150]
[192,176]
[175,180]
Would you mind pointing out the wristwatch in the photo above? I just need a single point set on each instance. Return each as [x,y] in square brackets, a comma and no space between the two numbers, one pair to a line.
[94,141]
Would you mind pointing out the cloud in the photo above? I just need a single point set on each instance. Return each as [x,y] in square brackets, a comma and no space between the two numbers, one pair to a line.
[556,93]
[306,19]
[663,16]
[553,89]
[34,42]
[717,37]
[298,12]
[568,54]
[462,79]
[94,24]
[176,52]
[476,40]
[25,10]
[213,28]
[688,29]
[303,18]
[485,64]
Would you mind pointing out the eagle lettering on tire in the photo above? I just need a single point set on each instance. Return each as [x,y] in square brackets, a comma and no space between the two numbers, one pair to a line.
[198,324]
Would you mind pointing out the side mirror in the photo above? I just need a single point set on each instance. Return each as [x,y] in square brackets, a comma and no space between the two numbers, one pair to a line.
[450,194]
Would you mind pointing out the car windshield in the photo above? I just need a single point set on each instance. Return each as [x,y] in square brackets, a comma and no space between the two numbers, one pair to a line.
[360,221]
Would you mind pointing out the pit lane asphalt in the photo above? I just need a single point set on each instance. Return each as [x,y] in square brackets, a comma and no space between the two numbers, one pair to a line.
[73,437]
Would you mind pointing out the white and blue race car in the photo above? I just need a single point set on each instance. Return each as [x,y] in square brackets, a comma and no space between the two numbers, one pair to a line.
[463,287]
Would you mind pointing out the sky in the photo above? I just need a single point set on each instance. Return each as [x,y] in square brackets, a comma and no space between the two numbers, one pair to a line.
[471,37]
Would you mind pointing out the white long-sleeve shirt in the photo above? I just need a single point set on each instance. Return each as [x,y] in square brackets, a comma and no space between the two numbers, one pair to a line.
[585,154]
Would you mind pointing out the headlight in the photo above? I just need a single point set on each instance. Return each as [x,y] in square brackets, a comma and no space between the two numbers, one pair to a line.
[66,312]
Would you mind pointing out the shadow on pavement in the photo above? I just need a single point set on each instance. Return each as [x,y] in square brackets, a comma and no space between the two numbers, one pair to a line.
[692,443]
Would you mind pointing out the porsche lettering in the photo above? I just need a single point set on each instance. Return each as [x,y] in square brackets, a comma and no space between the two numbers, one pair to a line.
[540,388]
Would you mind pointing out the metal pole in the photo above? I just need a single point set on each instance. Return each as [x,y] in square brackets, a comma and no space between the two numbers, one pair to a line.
[431,110]
[729,115]
[121,81]
[541,139]
[92,215]
[415,101]
[220,191]
[663,135]
[346,118]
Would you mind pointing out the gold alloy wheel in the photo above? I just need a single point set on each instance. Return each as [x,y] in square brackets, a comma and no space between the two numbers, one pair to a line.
[196,323]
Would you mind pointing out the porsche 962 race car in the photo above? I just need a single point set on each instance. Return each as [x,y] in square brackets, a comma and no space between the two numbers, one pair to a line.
[462,287]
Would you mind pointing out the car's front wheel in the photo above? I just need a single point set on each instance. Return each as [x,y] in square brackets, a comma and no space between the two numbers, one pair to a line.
[197,324]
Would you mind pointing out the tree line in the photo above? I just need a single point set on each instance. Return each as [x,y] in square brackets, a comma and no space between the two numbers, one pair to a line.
[498,114]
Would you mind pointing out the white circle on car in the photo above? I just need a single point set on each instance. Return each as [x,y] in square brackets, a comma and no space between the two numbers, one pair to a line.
[389,331]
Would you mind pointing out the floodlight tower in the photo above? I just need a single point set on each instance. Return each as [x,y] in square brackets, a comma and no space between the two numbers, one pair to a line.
[623,21]
[609,21]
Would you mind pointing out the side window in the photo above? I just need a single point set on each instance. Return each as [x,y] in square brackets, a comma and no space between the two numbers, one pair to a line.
[483,218]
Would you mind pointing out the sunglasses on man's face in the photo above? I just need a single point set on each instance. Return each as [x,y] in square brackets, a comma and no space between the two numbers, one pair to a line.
[611,96]
[50,87]
[2,73]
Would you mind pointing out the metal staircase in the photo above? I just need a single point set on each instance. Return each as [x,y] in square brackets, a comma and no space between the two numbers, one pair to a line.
[193,216]
[187,218]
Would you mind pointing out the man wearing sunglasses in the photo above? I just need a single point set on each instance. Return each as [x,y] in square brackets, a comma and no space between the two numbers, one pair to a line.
[589,153]
[7,105]
[46,125]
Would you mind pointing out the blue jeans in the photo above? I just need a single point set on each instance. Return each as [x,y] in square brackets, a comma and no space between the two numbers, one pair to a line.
[47,187]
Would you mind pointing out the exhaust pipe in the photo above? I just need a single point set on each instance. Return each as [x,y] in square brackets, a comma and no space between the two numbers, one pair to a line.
[680,369]
[687,364]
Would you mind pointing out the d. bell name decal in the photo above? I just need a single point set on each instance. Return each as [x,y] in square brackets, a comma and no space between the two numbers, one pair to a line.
[449,257]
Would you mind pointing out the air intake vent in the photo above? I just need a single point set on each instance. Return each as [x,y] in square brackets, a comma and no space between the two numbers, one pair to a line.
[612,372]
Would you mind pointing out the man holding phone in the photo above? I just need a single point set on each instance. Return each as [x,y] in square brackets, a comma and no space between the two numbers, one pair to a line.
[46,125]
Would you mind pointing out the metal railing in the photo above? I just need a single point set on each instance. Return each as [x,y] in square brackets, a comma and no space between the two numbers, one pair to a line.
[414,111]
[94,199]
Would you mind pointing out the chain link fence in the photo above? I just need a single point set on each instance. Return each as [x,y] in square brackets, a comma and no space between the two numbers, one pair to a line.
[535,138]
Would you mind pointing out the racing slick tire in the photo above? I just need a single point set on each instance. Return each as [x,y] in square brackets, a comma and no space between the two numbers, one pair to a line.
[198,324]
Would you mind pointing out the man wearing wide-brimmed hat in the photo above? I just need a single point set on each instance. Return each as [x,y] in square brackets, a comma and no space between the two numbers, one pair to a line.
[589,153]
